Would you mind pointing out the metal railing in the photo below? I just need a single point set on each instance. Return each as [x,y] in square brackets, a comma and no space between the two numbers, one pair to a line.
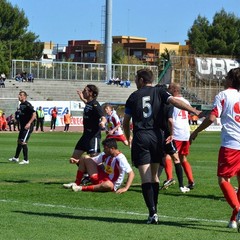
[76,70]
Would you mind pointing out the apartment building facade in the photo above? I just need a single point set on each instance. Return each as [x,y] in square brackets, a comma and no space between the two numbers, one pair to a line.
[92,51]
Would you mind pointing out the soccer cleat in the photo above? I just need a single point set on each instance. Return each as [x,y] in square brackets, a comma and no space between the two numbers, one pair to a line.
[191,186]
[168,183]
[13,159]
[76,188]
[24,162]
[69,185]
[153,219]
[86,180]
[184,189]
[232,224]
[238,221]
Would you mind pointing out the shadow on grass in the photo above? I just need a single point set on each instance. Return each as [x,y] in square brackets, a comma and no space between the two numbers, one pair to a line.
[52,183]
[192,225]
[17,181]
[207,196]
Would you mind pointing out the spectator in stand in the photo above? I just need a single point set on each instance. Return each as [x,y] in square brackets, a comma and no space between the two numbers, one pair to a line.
[3,122]
[18,78]
[24,76]
[67,120]
[2,80]
[54,114]
[11,121]
[121,83]
[30,77]
[40,119]
[127,83]
[3,76]
[113,125]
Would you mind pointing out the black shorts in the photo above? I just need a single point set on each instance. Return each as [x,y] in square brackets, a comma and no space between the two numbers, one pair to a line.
[89,144]
[147,147]
[170,148]
[24,135]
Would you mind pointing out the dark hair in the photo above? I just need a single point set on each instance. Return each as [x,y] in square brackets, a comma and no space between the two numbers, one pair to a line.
[146,74]
[163,86]
[23,92]
[93,89]
[110,143]
[234,75]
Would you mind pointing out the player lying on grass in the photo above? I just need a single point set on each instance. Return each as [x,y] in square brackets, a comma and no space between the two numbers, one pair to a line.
[106,170]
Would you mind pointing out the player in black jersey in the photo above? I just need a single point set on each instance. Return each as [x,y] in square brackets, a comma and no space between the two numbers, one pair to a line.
[145,106]
[93,121]
[27,115]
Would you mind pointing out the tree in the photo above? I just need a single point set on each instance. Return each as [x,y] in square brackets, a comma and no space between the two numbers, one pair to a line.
[120,56]
[222,37]
[16,42]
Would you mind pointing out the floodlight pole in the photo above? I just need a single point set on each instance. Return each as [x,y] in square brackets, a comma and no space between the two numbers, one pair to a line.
[108,39]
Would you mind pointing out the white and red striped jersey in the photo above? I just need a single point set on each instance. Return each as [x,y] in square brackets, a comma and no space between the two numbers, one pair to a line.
[181,130]
[115,167]
[227,106]
[113,121]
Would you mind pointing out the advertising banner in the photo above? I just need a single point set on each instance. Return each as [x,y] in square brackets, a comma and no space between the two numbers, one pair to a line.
[62,107]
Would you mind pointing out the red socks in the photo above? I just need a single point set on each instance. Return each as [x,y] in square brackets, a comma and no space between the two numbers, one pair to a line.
[79,177]
[89,188]
[168,167]
[188,171]
[231,197]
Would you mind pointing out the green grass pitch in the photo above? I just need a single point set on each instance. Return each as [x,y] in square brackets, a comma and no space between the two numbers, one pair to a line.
[35,206]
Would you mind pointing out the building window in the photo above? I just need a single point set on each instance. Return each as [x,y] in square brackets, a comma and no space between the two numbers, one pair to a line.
[91,54]
[137,54]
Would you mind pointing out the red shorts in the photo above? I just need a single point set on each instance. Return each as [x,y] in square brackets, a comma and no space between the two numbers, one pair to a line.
[228,162]
[120,138]
[183,147]
[102,176]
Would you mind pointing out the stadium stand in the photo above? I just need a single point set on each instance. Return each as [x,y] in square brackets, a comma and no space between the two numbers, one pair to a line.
[64,90]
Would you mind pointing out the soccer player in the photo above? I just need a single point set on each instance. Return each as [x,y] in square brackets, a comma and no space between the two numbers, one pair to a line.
[93,121]
[145,107]
[27,115]
[106,171]
[170,150]
[113,125]
[181,133]
[227,107]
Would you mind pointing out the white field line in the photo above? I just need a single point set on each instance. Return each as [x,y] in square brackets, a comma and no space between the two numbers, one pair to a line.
[110,211]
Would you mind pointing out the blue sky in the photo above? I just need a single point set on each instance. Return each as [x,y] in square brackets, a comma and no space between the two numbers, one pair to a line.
[157,20]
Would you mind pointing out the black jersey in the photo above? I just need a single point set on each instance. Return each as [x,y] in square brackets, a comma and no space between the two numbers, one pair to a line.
[146,107]
[25,113]
[91,117]
[167,113]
